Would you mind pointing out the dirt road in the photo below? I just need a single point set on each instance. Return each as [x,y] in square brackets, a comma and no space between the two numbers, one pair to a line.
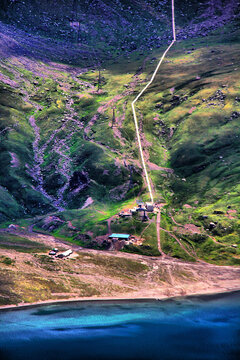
[140,94]
[159,234]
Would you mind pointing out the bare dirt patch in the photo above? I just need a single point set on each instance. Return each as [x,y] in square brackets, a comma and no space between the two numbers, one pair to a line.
[99,274]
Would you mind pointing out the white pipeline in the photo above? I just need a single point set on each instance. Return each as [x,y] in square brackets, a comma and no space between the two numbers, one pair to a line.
[140,94]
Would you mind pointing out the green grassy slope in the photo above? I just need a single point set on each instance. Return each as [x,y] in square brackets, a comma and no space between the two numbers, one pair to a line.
[192,113]
[86,159]
[87,145]
[17,195]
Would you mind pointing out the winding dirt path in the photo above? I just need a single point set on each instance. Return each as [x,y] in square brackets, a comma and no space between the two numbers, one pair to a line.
[109,223]
[201,232]
[180,244]
[180,225]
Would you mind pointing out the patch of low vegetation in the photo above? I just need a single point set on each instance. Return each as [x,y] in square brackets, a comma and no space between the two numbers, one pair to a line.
[114,265]
[171,247]
[210,243]
[32,287]
[7,292]
[47,263]
[20,244]
[69,278]
[133,226]
[149,245]
[83,289]
[7,260]
[217,253]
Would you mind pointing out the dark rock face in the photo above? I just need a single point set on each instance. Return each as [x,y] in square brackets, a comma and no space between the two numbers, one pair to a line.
[78,181]
[159,106]
[83,237]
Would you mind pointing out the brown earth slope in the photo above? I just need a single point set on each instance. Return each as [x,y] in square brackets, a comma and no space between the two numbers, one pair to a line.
[28,277]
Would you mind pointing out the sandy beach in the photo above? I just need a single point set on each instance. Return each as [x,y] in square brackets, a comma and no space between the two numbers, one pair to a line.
[202,295]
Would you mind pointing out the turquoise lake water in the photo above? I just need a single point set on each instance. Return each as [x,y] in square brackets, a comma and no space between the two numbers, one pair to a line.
[192,328]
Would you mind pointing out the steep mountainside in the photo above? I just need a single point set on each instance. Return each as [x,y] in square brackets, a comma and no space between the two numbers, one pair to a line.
[97,30]
[69,157]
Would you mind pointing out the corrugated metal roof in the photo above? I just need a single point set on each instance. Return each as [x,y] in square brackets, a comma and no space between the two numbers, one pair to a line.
[120,236]
[67,252]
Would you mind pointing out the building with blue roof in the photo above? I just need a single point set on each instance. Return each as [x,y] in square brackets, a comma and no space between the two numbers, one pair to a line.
[119,236]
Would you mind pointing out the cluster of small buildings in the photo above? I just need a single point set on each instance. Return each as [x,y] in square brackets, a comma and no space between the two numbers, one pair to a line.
[55,252]
[142,209]
[118,241]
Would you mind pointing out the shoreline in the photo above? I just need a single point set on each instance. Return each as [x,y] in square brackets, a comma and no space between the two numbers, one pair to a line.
[203,296]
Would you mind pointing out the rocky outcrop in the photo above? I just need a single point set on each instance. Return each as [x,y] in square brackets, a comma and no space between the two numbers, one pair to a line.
[51,223]
[119,192]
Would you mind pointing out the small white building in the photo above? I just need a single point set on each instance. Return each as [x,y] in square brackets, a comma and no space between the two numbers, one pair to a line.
[65,254]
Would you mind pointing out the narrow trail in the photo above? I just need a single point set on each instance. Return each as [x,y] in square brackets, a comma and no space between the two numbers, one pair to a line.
[217,242]
[175,222]
[140,94]
[179,242]
[150,222]
[109,221]
[208,235]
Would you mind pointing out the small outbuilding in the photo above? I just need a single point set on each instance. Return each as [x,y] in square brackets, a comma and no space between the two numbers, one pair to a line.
[149,207]
[65,254]
[125,214]
[13,227]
